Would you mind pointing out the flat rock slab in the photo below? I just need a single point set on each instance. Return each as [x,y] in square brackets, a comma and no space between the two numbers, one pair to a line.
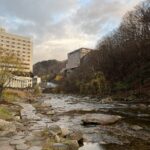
[17,142]
[102,119]
[7,126]
[17,137]
[60,146]
[22,147]
[136,127]
[35,148]
[6,147]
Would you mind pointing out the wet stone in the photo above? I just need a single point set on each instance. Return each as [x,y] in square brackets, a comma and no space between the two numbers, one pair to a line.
[56,129]
[60,146]
[102,119]
[16,142]
[52,112]
[55,118]
[136,127]
[17,137]
[35,148]
[75,135]
[22,147]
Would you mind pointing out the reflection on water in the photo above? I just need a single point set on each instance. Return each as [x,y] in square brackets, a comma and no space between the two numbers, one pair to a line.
[91,146]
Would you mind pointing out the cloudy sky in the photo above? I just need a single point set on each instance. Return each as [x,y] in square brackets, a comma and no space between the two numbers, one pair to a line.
[60,26]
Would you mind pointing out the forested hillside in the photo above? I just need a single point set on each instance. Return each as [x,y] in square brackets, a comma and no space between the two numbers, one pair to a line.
[47,70]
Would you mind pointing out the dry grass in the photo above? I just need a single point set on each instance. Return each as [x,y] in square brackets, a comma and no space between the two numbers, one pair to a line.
[12,95]
[5,114]
[48,145]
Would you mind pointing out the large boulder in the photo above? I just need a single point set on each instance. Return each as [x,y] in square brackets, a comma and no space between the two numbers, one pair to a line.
[75,135]
[65,131]
[72,144]
[46,104]
[102,119]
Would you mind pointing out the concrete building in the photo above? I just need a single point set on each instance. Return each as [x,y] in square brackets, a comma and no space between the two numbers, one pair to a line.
[36,80]
[21,47]
[74,58]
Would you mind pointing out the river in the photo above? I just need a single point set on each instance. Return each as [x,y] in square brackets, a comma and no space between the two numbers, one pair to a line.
[132,132]
[70,110]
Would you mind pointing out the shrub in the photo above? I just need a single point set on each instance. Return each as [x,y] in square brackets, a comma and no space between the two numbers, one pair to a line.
[5,114]
[37,90]
[11,95]
[121,86]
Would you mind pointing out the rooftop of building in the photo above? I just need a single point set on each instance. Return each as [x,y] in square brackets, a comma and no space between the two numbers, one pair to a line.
[80,50]
[3,31]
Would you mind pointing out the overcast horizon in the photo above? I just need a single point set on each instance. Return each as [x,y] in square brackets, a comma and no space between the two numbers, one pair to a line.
[59,27]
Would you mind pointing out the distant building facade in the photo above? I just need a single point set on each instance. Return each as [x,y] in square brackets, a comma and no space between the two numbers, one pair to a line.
[21,47]
[74,58]
[36,80]
[20,82]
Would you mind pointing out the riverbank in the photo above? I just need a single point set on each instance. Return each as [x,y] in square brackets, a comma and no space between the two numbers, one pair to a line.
[37,120]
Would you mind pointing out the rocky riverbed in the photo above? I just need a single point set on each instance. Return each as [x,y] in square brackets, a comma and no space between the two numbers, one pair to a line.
[65,122]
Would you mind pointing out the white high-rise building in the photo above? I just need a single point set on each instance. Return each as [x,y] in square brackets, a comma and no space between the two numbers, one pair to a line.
[21,47]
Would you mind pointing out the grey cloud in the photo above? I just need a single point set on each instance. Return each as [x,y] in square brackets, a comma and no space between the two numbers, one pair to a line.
[35,10]
[91,18]
[78,26]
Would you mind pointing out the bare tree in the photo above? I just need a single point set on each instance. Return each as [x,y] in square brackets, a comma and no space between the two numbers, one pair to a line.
[10,65]
[123,56]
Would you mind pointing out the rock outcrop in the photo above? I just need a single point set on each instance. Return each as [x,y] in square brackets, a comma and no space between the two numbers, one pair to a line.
[6,127]
[100,119]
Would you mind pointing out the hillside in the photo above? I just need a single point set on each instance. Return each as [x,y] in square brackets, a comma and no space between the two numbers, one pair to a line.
[47,70]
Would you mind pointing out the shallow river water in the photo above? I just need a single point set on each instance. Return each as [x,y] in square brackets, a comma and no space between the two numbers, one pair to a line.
[135,124]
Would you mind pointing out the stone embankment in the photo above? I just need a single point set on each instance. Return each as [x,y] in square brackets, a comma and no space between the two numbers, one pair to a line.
[36,131]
